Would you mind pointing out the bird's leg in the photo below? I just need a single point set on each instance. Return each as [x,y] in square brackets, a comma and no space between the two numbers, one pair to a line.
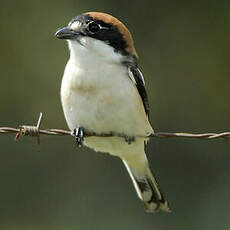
[78,135]
[130,139]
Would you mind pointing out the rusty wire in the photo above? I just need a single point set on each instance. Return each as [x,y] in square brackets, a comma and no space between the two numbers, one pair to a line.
[27,130]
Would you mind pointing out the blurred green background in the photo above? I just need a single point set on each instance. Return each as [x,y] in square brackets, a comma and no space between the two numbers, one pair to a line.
[184,55]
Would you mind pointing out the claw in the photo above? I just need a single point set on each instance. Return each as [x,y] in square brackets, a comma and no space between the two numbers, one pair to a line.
[78,134]
[130,139]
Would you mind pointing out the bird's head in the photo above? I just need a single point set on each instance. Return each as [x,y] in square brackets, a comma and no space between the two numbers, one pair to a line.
[98,33]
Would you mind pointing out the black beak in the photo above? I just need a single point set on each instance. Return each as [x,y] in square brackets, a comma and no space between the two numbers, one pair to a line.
[66,33]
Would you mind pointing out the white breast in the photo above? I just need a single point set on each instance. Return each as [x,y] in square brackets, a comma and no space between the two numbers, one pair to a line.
[98,95]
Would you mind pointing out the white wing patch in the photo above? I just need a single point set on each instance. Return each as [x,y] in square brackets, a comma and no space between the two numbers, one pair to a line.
[141,75]
[131,76]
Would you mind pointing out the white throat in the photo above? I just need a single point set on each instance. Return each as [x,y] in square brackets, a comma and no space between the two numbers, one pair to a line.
[91,52]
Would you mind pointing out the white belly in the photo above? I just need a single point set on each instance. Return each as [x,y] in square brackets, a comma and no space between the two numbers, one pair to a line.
[104,103]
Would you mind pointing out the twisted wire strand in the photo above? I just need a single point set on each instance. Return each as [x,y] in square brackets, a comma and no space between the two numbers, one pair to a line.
[31,130]
[26,130]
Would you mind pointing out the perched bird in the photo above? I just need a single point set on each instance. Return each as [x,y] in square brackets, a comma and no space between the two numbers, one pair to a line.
[103,92]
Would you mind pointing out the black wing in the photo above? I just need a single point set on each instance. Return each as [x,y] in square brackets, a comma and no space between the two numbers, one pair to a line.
[137,77]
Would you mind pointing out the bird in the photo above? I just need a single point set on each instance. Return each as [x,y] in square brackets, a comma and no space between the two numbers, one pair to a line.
[103,92]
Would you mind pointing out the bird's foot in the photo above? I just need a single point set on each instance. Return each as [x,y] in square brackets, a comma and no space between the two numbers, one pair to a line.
[130,139]
[78,135]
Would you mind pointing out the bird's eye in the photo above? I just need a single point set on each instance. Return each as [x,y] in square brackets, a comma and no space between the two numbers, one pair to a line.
[93,27]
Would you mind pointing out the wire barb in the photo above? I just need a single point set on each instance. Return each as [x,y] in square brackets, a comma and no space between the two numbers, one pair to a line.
[28,130]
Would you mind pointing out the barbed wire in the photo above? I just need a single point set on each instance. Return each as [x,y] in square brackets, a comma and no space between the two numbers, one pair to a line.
[30,130]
